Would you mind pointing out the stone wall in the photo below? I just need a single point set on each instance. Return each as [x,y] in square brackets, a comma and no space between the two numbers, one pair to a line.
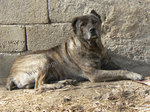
[27,25]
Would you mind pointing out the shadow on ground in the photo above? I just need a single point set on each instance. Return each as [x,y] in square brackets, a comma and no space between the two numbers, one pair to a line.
[122,62]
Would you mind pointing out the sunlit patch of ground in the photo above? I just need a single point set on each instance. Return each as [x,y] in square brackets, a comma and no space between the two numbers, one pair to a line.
[119,96]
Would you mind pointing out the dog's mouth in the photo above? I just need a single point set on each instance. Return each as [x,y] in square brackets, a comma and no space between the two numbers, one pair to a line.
[92,40]
[93,37]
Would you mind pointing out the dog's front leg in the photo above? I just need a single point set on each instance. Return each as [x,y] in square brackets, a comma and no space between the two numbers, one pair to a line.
[105,75]
[40,80]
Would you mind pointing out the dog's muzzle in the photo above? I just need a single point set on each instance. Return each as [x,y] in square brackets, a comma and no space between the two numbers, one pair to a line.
[93,33]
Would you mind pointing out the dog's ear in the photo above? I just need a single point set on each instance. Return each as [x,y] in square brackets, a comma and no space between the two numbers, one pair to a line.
[74,24]
[95,13]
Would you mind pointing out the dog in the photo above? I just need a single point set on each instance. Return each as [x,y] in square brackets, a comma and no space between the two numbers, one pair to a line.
[79,58]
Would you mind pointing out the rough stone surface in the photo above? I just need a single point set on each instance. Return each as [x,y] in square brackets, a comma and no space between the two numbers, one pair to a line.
[42,37]
[126,26]
[12,38]
[127,34]
[23,11]
[64,11]
[6,61]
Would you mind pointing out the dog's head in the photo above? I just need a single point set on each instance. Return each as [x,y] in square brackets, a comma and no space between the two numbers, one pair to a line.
[88,27]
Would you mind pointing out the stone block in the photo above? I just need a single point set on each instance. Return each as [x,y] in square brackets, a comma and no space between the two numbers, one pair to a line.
[64,11]
[12,38]
[6,61]
[23,11]
[40,37]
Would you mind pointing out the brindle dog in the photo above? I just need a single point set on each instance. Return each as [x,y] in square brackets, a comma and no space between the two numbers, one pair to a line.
[79,58]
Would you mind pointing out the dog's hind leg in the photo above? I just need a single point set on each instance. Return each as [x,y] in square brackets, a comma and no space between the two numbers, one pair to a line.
[29,86]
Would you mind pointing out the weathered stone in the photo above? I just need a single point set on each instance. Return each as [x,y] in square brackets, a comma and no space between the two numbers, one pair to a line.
[12,38]
[126,26]
[23,11]
[64,11]
[41,37]
[6,61]
[127,33]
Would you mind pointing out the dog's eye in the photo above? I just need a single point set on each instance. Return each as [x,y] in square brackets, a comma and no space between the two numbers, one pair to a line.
[83,24]
[94,22]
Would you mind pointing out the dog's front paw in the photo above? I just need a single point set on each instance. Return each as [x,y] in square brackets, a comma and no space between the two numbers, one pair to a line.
[134,76]
[39,90]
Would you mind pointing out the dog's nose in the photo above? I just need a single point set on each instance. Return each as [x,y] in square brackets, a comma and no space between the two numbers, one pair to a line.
[92,30]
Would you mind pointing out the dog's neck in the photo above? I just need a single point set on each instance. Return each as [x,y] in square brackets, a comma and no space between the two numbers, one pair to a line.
[96,46]
[90,45]
[76,46]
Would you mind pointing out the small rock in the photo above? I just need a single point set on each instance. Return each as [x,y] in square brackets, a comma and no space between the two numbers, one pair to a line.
[67,99]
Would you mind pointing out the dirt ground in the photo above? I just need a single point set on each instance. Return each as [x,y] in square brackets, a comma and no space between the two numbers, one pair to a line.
[118,96]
